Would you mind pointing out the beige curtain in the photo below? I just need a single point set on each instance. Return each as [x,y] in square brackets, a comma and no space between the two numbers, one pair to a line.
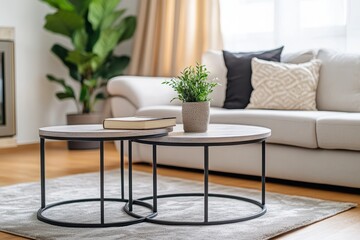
[173,34]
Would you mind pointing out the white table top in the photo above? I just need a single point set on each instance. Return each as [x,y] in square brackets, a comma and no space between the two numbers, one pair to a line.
[95,131]
[216,133]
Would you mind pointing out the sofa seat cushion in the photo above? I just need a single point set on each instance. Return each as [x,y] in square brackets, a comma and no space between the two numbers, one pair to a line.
[339,131]
[296,128]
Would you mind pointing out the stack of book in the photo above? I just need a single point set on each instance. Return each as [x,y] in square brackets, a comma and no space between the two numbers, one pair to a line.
[138,123]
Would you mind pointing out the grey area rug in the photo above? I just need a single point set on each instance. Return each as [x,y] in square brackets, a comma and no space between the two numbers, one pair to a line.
[19,204]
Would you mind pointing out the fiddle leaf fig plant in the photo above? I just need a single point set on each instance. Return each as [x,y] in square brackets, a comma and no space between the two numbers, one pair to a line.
[95,28]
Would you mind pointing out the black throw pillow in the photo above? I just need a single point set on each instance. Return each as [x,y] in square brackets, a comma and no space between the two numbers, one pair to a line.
[238,88]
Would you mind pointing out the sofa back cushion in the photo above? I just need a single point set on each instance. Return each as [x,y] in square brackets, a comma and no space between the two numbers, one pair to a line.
[298,57]
[339,84]
[214,62]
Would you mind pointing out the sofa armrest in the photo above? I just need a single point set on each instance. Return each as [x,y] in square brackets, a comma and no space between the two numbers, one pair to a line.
[141,91]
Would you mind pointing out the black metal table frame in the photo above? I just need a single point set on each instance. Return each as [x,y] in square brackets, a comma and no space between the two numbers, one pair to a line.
[129,205]
[102,199]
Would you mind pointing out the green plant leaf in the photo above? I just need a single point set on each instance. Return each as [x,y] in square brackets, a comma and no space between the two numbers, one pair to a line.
[85,99]
[93,36]
[64,95]
[96,13]
[117,65]
[111,19]
[192,85]
[100,96]
[114,66]
[68,90]
[81,6]
[99,9]
[60,4]
[51,78]
[95,28]
[127,28]
[81,59]
[110,5]
[105,44]
[92,83]
[63,22]
[80,39]
[62,53]
[84,94]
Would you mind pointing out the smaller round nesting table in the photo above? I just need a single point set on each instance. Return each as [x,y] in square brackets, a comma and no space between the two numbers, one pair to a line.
[217,135]
[93,133]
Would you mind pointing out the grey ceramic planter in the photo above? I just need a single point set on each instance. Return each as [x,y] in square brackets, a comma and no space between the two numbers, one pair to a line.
[76,119]
[196,116]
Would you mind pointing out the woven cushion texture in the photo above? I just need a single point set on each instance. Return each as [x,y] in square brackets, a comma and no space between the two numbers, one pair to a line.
[284,86]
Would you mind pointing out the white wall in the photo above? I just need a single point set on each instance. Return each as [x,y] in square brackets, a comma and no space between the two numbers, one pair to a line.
[353,28]
[36,105]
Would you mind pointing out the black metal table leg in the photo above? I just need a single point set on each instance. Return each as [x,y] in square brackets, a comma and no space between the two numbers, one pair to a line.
[130,176]
[102,181]
[122,168]
[154,180]
[101,199]
[206,183]
[205,194]
[128,208]
[263,176]
[101,224]
[42,171]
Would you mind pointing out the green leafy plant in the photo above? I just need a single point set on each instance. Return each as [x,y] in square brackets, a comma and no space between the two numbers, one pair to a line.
[95,28]
[192,85]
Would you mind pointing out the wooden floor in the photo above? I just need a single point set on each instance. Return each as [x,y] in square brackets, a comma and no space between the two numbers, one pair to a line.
[21,164]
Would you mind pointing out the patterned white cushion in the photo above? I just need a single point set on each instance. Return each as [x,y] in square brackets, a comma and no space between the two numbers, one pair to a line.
[284,86]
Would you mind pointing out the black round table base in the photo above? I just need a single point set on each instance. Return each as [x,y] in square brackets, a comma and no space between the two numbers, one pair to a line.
[92,225]
[193,223]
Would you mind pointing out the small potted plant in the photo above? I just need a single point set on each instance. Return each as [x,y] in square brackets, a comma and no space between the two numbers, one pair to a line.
[193,89]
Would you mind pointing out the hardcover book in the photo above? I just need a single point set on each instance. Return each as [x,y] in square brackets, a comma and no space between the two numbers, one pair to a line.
[138,123]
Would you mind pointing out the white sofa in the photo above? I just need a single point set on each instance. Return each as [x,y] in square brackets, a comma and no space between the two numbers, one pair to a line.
[311,146]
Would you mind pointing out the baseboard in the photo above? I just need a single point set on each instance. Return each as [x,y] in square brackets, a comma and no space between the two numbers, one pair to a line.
[8,142]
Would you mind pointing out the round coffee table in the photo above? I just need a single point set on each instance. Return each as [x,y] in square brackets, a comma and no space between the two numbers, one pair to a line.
[217,135]
[93,133]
